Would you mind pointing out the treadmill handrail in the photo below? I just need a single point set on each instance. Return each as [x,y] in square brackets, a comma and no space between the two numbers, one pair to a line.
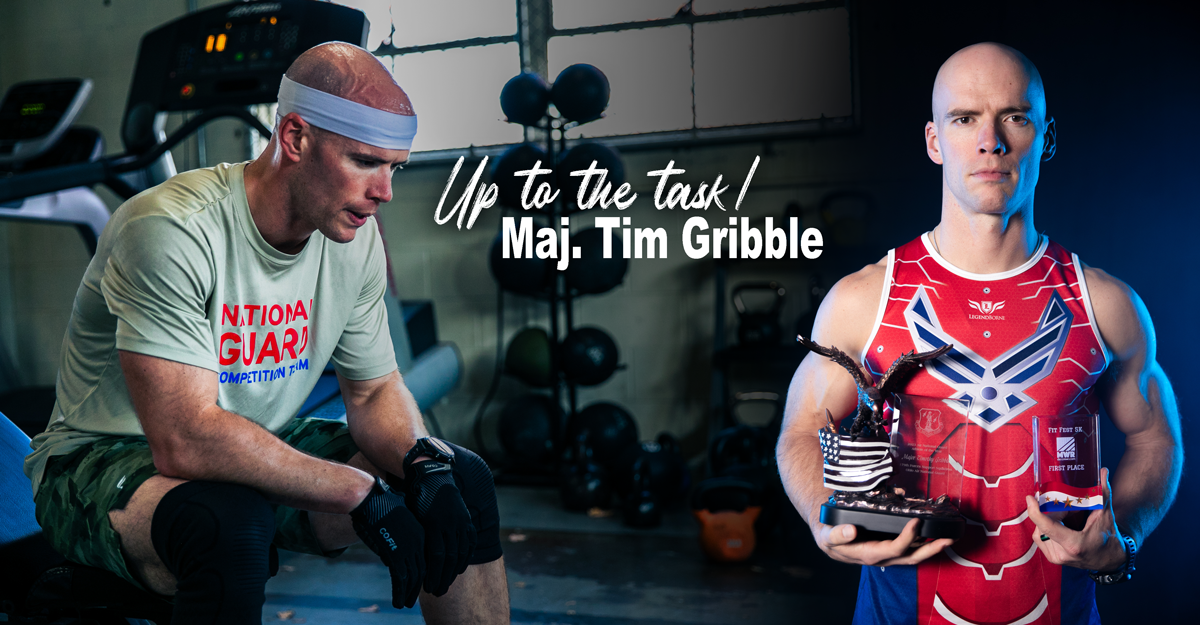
[105,171]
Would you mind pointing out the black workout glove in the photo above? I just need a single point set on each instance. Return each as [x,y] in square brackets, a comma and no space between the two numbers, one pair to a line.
[449,534]
[390,530]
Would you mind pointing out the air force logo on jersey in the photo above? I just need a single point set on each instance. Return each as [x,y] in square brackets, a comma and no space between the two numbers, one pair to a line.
[992,391]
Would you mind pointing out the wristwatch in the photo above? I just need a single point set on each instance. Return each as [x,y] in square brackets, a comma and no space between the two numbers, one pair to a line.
[1122,574]
[435,448]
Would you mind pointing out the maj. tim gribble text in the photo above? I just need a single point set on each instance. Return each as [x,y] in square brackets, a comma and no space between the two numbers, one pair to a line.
[772,242]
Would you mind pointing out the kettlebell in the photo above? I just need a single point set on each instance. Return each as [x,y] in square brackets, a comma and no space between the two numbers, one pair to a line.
[770,426]
[584,483]
[661,461]
[642,506]
[727,509]
[739,446]
[759,327]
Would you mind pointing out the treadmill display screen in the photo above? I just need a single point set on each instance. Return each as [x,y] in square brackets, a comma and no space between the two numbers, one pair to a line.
[30,111]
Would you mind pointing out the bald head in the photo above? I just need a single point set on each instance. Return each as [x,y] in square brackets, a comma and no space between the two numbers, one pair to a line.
[988,68]
[351,73]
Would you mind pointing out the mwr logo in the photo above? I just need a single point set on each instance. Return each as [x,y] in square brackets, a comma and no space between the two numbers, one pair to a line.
[985,307]
[1066,448]
[929,421]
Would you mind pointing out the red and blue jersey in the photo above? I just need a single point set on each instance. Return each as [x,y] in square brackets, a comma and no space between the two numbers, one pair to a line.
[1025,344]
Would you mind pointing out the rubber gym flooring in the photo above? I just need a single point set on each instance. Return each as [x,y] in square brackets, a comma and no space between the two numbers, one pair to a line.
[571,568]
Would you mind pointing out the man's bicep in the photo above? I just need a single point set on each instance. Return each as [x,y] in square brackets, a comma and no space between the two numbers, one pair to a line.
[167,395]
[1135,390]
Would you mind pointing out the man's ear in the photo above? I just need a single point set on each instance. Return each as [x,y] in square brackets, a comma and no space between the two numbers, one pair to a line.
[1051,140]
[291,136]
[932,147]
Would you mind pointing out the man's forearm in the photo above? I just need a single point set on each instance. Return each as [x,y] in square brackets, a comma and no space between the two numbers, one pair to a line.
[385,423]
[221,446]
[1145,483]
[800,462]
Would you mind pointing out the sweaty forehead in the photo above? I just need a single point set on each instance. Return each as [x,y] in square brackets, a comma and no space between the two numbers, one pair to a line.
[988,76]
[351,73]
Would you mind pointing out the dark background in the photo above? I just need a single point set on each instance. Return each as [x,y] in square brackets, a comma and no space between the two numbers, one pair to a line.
[1122,84]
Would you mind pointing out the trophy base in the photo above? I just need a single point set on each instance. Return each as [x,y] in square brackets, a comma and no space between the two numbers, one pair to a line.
[893,523]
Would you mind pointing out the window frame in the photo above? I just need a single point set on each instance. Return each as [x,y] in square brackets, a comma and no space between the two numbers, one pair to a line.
[535,28]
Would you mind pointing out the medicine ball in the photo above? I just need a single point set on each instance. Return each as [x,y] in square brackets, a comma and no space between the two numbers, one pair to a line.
[518,158]
[588,356]
[528,357]
[526,430]
[526,276]
[580,93]
[579,158]
[524,99]
[609,430]
[591,273]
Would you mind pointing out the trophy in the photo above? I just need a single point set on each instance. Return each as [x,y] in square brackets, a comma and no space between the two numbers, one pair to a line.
[882,479]
[1066,461]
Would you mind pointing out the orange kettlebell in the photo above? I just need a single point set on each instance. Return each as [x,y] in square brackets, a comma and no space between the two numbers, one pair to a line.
[727,536]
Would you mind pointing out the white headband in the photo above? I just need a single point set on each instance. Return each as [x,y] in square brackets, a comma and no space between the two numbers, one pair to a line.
[360,122]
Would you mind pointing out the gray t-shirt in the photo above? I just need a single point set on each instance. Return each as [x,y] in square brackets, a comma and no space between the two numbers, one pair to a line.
[182,273]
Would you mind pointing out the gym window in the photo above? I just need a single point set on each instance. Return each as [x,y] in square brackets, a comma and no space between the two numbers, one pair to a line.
[680,72]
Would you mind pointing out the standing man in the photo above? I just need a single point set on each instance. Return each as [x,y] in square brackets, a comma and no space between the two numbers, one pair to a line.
[990,132]
[211,307]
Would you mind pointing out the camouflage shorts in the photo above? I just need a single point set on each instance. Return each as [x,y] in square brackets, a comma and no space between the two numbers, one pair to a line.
[80,488]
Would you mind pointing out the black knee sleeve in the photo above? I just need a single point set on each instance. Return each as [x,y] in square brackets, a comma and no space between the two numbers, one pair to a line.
[215,538]
[474,481]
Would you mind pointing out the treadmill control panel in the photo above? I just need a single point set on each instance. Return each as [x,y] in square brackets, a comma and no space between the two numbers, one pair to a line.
[34,116]
[229,55]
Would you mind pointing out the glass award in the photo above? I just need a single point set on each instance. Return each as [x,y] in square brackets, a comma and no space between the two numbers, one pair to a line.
[1066,462]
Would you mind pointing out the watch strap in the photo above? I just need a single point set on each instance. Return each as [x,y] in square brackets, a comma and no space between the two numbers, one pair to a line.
[1122,574]
[436,449]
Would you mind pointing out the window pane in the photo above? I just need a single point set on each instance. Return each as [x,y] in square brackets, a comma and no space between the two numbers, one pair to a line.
[648,70]
[719,6]
[770,69]
[579,13]
[420,22]
[456,94]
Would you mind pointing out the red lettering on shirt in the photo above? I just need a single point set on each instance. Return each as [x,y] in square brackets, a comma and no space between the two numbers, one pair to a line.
[231,355]
[289,342]
[250,308]
[248,348]
[270,348]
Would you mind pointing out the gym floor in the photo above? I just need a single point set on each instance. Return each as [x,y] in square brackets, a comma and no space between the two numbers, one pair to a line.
[573,568]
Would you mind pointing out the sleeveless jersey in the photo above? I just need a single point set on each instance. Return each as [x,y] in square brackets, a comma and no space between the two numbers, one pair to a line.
[1025,344]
